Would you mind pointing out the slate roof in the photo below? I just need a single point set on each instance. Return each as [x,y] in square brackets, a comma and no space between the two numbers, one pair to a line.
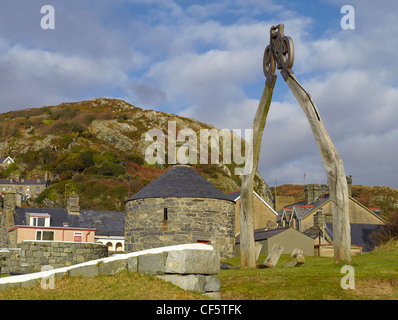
[264,234]
[233,195]
[180,181]
[302,208]
[106,223]
[360,233]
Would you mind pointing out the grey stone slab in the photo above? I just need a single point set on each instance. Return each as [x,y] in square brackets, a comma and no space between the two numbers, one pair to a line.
[212,284]
[112,267]
[193,262]
[187,282]
[85,271]
[132,264]
[152,263]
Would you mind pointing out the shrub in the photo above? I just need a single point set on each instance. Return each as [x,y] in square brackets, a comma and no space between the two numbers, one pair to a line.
[111,169]
[122,117]
[387,232]
[87,158]
[11,168]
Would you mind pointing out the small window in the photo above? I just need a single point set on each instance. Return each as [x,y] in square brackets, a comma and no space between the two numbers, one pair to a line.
[165,216]
[78,236]
[38,222]
[45,235]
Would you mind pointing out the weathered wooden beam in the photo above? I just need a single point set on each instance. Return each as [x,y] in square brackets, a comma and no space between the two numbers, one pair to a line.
[247,247]
[338,189]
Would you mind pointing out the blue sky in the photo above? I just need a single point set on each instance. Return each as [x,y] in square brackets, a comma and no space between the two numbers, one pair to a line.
[203,60]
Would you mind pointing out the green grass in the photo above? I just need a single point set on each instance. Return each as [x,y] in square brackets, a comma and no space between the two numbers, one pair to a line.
[122,286]
[376,277]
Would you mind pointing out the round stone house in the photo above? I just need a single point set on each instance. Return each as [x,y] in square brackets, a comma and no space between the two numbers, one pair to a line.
[180,207]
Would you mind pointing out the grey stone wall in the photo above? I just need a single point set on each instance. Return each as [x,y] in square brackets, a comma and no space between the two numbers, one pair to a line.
[189,220]
[31,256]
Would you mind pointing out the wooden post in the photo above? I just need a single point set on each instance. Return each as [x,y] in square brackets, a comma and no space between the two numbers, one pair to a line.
[337,181]
[247,247]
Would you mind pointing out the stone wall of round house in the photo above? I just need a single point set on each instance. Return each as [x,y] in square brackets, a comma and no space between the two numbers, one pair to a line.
[157,222]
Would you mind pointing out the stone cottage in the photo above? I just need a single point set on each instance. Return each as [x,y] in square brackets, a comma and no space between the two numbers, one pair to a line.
[180,207]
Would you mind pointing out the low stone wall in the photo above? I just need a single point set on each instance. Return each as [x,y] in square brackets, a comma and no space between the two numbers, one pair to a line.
[9,259]
[191,267]
[31,256]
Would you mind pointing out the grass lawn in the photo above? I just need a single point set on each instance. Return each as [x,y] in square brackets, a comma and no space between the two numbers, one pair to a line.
[122,286]
[376,277]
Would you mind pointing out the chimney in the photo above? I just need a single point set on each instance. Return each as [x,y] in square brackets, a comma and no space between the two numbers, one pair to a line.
[314,191]
[72,204]
[349,185]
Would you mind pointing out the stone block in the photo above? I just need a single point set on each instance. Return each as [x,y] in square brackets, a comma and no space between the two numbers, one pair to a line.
[187,282]
[85,271]
[152,263]
[193,262]
[80,259]
[273,256]
[296,259]
[112,267]
[132,264]
[212,284]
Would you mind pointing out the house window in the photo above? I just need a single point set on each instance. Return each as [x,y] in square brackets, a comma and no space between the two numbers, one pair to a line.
[20,189]
[44,235]
[165,216]
[78,236]
[38,222]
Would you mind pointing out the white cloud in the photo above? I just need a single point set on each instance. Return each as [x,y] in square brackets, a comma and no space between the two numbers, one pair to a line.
[33,77]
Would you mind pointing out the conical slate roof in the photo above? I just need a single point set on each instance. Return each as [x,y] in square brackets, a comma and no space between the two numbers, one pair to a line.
[180,181]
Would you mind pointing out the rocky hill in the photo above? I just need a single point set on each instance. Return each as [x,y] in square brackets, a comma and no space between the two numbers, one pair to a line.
[93,147]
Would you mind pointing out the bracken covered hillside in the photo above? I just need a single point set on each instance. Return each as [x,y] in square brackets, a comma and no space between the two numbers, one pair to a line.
[93,147]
